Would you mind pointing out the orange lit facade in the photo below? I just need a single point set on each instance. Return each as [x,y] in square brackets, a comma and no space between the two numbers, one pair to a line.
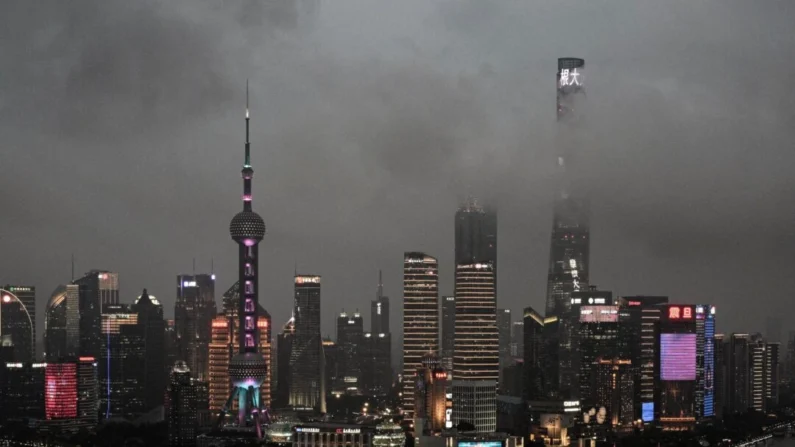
[223,342]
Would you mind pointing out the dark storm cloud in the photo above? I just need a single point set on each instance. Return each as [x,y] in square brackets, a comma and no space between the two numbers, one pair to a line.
[122,128]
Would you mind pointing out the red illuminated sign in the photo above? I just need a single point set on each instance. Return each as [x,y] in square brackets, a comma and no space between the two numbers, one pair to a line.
[633,303]
[680,313]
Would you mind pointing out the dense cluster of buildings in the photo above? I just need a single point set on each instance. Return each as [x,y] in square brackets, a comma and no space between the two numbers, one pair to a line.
[591,364]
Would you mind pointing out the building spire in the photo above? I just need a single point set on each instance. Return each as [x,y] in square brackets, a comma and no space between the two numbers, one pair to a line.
[380,285]
[248,171]
[248,144]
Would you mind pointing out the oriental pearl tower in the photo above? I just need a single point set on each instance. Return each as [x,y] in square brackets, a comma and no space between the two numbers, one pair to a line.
[247,369]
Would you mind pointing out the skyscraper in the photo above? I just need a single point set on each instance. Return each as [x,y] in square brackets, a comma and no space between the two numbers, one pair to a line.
[182,407]
[122,364]
[62,323]
[448,332]
[248,369]
[420,318]
[599,340]
[152,327]
[18,320]
[70,397]
[194,310]
[307,384]
[379,344]
[284,349]
[476,234]
[379,310]
[570,248]
[517,339]
[97,289]
[532,355]
[350,340]
[504,331]
[476,357]
[430,400]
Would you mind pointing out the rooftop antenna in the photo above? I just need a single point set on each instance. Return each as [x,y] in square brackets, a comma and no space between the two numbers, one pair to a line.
[212,266]
[73,267]
[194,266]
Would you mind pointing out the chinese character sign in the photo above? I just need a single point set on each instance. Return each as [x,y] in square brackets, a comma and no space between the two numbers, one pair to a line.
[569,77]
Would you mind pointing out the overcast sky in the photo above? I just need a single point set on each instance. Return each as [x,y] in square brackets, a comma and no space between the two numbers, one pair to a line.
[121,142]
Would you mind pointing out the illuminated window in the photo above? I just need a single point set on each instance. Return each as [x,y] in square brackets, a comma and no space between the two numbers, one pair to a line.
[249,323]
[249,340]
[249,287]
[249,305]
[249,270]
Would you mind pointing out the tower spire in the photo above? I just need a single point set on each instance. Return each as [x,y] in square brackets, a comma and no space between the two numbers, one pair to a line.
[248,171]
[380,285]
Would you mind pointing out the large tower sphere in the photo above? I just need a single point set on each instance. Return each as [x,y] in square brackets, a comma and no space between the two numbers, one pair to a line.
[247,227]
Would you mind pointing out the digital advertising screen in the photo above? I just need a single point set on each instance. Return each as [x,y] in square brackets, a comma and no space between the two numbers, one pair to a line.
[677,357]
[647,411]
[570,82]
[480,444]
[598,314]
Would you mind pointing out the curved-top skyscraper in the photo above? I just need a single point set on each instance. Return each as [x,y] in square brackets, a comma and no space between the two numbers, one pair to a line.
[248,369]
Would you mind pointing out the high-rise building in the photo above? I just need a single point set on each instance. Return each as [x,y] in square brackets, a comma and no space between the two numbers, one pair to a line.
[170,346]
[420,318]
[377,367]
[350,342]
[705,361]
[737,378]
[284,349]
[772,374]
[220,354]
[517,339]
[430,402]
[22,392]
[638,315]
[599,340]
[248,369]
[533,358]
[18,320]
[448,333]
[757,374]
[181,407]
[613,385]
[331,367]
[62,323]
[307,384]
[70,396]
[97,288]
[721,373]
[569,255]
[152,327]
[122,364]
[476,235]
[476,357]
[550,351]
[379,310]
[504,334]
[193,313]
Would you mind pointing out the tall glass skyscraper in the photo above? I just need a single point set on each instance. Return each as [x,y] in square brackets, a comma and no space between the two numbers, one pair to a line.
[420,318]
[18,320]
[307,384]
[194,311]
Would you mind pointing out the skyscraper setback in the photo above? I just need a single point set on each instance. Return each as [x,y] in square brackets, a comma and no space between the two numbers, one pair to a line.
[420,318]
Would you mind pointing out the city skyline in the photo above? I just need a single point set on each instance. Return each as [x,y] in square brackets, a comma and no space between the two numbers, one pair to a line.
[689,214]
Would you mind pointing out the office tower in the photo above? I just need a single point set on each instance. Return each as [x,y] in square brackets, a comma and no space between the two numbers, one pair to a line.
[62,323]
[756,374]
[504,335]
[122,364]
[22,392]
[18,320]
[705,361]
[517,339]
[420,318]
[638,315]
[97,288]
[307,387]
[568,384]
[448,332]
[284,349]
[738,379]
[476,235]
[476,358]
[570,244]
[720,348]
[350,342]
[613,386]
[70,394]
[532,355]
[332,374]
[772,374]
[550,351]
[193,313]
[429,397]
[379,310]
[182,407]
[377,366]
[220,353]
[152,327]
[380,345]
[170,346]
[788,370]
[598,340]
[248,368]
[676,374]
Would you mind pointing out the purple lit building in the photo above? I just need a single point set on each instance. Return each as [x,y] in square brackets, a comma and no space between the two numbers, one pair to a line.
[248,368]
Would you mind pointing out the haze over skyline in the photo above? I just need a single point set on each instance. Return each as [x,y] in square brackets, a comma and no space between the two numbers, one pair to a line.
[123,131]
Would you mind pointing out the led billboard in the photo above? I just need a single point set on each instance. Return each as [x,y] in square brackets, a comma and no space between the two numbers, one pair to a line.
[480,444]
[677,357]
[598,314]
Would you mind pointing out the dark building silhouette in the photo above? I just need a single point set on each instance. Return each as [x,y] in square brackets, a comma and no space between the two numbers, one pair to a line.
[350,343]
[284,349]
[152,327]
[476,234]
[97,288]
[122,364]
[62,323]
[194,311]
[504,333]
[533,358]
[181,407]
[22,392]
[18,320]
[377,366]
[379,310]
[448,331]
